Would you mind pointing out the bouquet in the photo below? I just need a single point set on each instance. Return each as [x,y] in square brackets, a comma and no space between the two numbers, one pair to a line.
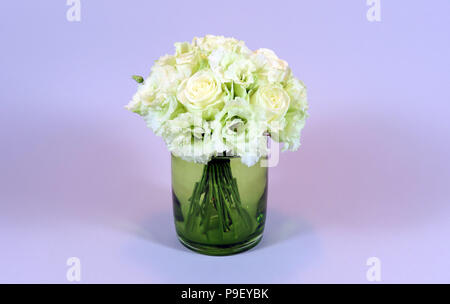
[214,96]
[212,99]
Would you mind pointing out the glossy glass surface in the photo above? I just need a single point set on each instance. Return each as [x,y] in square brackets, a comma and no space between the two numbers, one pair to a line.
[219,208]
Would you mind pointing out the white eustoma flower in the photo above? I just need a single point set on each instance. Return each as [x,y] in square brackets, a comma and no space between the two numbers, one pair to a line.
[237,131]
[189,136]
[297,92]
[219,59]
[155,99]
[163,80]
[241,72]
[296,116]
[162,111]
[290,135]
[232,67]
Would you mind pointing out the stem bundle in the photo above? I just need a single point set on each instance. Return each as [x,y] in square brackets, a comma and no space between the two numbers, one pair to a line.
[216,195]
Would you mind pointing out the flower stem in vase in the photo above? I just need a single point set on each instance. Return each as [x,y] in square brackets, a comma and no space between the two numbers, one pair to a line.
[216,209]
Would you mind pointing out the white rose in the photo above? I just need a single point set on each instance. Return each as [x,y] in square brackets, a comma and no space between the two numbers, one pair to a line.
[271,102]
[210,43]
[187,58]
[202,93]
[273,69]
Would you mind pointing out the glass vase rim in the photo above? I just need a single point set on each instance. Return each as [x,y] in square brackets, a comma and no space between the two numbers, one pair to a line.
[215,156]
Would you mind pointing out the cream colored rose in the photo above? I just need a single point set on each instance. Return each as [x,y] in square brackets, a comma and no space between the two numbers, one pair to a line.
[273,69]
[202,93]
[272,59]
[210,43]
[271,102]
[186,58]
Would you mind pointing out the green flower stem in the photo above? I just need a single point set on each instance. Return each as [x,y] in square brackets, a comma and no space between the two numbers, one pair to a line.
[216,195]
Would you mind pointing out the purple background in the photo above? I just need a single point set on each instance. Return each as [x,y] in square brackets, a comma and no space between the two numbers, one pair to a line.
[80,176]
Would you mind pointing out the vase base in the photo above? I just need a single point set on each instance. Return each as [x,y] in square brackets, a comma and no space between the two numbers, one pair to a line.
[221,250]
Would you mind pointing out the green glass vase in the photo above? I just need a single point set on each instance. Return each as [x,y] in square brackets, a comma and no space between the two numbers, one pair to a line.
[219,208]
